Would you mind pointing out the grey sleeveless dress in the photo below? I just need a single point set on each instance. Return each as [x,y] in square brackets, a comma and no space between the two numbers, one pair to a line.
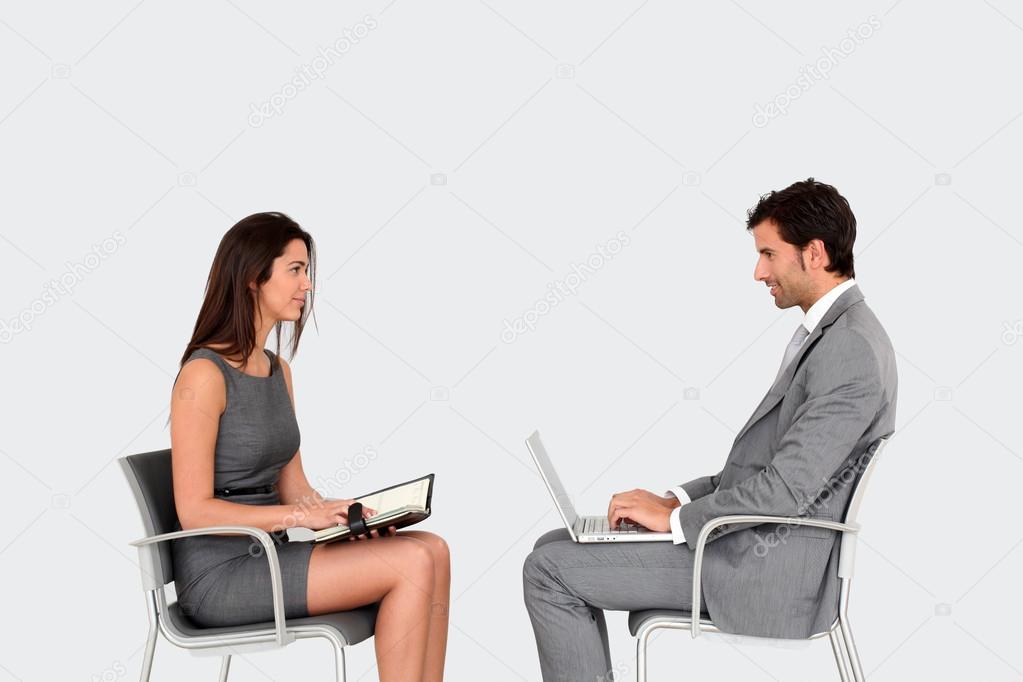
[224,580]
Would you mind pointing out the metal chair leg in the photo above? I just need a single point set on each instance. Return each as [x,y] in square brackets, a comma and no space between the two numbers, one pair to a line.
[147,657]
[850,645]
[225,667]
[339,661]
[641,659]
[838,648]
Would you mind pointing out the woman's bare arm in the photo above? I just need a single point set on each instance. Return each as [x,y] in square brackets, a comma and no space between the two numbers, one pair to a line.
[198,400]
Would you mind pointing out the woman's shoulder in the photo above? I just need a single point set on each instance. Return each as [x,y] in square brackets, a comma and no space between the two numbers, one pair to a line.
[200,379]
[201,367]
[202,351]
[203,357]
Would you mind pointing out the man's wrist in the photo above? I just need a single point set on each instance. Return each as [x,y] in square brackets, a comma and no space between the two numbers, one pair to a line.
[679,495]
[678,536]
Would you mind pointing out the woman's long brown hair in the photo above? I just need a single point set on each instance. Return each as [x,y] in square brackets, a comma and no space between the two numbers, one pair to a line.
[229,308]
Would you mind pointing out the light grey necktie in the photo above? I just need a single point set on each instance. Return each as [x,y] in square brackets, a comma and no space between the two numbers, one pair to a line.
[794,345]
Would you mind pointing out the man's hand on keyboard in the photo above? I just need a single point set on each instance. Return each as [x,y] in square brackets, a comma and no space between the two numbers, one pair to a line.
[641,507]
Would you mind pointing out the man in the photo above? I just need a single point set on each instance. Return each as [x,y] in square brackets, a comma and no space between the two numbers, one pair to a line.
[798,454]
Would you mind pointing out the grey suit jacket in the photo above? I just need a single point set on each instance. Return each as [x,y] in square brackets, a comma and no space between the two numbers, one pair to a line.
[798,455]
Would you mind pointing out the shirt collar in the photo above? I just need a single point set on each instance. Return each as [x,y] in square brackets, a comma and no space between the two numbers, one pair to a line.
[820,308]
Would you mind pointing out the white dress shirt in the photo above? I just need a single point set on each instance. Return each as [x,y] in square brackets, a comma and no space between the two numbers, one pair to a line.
[812,318]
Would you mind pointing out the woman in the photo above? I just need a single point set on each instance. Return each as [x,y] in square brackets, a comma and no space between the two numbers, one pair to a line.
[234,443]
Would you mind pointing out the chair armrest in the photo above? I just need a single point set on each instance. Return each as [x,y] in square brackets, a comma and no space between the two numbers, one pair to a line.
[701,542]
[276,583]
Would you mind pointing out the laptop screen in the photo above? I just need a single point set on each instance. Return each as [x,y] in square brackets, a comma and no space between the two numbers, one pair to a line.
[550,477]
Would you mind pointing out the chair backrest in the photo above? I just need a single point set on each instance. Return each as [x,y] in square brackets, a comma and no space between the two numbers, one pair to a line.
[856,499]
[149,475]
[847,552]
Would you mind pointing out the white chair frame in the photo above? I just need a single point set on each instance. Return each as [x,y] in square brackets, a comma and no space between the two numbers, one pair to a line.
[847,659]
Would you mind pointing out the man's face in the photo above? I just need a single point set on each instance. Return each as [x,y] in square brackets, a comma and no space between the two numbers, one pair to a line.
[781,266]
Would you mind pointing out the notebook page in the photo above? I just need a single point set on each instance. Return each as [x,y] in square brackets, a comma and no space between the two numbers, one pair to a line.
[412,495]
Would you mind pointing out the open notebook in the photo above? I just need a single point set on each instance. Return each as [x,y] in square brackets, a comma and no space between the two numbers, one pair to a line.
[400,506]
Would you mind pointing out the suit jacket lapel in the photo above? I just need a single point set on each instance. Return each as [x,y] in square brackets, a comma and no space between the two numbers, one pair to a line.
[781,384]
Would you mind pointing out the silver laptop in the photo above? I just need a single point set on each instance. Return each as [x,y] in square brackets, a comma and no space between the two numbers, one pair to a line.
[584,528]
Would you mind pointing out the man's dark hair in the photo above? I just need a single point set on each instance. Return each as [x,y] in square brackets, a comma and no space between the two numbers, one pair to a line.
[811,210]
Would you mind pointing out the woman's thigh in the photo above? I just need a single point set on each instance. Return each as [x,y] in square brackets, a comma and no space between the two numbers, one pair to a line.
[347,575]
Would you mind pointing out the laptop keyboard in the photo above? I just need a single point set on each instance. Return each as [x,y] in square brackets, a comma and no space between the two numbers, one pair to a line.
[599,524]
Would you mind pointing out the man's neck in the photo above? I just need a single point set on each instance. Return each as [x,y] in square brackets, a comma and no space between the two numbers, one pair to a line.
[827,286]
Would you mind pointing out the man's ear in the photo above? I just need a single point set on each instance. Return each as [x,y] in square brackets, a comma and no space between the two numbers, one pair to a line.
[818,254]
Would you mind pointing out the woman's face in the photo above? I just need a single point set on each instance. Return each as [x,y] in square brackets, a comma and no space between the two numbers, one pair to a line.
[283,296]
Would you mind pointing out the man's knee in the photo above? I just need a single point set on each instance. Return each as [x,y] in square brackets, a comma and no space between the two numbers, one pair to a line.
[539,566]
[539,570]
[552,536]
[535,569]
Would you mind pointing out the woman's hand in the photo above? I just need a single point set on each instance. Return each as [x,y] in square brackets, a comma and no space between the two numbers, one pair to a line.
[335,513]
[325,514]
[366,514]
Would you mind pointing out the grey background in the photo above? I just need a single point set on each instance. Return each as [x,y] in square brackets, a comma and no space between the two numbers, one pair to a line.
[454,162]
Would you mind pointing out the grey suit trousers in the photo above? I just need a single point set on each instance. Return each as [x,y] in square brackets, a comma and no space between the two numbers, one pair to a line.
[567,586]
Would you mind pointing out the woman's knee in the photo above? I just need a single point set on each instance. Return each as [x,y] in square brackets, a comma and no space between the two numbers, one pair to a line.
[438,548]
[418,561]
